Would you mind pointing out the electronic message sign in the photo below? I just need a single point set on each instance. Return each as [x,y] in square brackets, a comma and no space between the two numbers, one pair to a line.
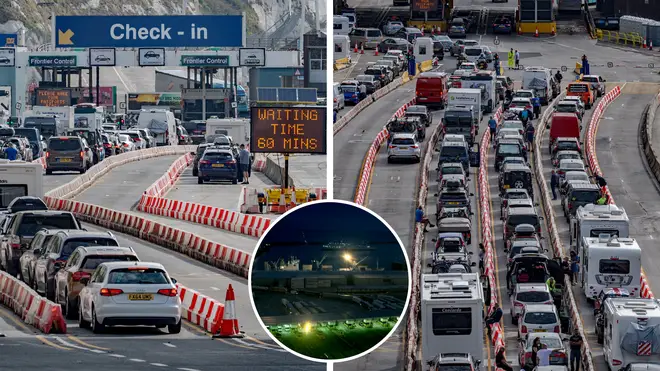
[53,97]
[288,130]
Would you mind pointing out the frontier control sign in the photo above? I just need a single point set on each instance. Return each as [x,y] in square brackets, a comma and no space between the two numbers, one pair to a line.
[205,60]
[173,31]
[288,130]
[52,61]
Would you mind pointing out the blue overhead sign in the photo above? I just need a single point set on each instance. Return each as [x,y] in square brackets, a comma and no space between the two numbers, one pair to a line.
[175,31]
[8,40]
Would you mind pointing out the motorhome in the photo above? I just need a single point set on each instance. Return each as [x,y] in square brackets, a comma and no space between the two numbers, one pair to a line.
[632,332]
[238,130]
[610,262]
[18,179]
[593,220]
[452,314]
[49,120]
[161,123]
[486,81]
[538,79]
[340,25]
[88,116]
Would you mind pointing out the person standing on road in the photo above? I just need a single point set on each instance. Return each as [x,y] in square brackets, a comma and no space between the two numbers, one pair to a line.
[575,269]
[554,183]
[576,350]
[501,362]
[530,136]
[12,152]
[244,157]
[543,355]
[524,116]
[517,56]
[511,59]
[492,125]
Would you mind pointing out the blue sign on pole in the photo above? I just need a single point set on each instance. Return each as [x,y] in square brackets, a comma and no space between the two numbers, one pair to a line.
[176,31]
[8,40]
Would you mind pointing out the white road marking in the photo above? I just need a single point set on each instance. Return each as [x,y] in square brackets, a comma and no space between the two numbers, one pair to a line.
[158,364]
[68,344]
[651,237]
[215,288]
[117,355]
[187,369]
[98,351]
[137,360]
[257,345]
[169,345]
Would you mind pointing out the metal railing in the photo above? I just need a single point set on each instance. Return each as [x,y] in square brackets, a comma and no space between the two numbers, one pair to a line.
[273,43]
[626,38]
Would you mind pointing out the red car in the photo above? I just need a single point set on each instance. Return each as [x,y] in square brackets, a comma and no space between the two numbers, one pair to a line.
[553,340]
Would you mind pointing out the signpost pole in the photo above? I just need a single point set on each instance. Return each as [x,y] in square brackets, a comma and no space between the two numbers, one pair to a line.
[203,78]
[286,171]
[91,86]
[98,86]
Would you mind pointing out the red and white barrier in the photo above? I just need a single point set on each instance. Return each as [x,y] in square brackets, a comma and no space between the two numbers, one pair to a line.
[41,160]
[200,309]
[33,309]
[590,151]
[370,158]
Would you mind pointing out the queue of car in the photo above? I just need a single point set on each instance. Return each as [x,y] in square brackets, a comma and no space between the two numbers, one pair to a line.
[93,278]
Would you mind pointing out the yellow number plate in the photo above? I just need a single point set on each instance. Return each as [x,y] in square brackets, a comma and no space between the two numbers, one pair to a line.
[66,159]
[218,165]
[539,330]
[452,203]
[506,186]
[145,297]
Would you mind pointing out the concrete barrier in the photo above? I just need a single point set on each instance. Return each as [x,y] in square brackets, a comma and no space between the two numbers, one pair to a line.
[32,308]
[555,241]
[200,309]
[590,151]
[646,137]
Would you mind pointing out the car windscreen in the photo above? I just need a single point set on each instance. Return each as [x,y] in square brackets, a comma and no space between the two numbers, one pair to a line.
[574,175]
[550,343]
[585,196]
[373,33]
[540,318]
[566,108]
[524,94]
[349,88]
[452,170]
[218,156]
[515,220]
[30,224]
[29,133]
[38,121]
[124,138]
[92,261]
[609,266]
[590,79]
[453,196]
[27,204]
[508,149]
[473,52]
[568,156]
[470,43]
[71,244]
[373,72]
[512,125]
[517,195]
[403,141]
[132,135]
[567,146]
[64,145]
[449,151]
[571,166]
[458,119]
[533,297]
[132,276]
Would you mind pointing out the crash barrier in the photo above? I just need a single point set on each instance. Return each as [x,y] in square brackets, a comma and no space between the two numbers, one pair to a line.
[369,159]
[153,202]
[277,200]
[396,83]
[342,63]
[412,332]
[594,167]
[195,246]
[490,269]
[626,38]
[32,308]
[83,181]
[259,163]
[200,309]
[555,241]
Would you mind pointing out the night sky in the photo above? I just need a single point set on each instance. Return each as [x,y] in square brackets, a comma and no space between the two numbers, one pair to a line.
[303,232]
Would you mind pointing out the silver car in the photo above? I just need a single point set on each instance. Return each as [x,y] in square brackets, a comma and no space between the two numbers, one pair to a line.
[404,146]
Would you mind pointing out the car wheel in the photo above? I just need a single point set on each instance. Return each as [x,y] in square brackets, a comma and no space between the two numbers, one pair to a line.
[234,181]
[49,172]
[97,327]
[200,180]
[69,307]
[174,329]
[81,321]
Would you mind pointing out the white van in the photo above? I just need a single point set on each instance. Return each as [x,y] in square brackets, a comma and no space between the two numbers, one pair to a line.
[352,18]
[161,123]
[341,25]
[18,179]
[338,97]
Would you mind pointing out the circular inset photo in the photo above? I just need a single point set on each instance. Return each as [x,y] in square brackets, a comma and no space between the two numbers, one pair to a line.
[330,281]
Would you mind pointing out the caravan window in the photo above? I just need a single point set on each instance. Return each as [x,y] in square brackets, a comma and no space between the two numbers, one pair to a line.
[9,192]
[598,232]
[452,321]
[608,266]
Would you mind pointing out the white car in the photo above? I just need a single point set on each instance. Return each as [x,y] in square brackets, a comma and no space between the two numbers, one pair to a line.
[538,318]
[520,102]
[528,293]
[404,146]
[396,53]
[136,137]
[129,294]
[577,100]
[513,124]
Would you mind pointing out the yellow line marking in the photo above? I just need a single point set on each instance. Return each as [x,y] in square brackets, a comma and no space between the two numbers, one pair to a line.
[261,342]
[13,318]
[234,344]
[50,343]
[190,326]
[371,176]
[83,343]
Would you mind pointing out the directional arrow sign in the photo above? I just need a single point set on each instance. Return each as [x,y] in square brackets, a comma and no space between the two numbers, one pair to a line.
[150,31]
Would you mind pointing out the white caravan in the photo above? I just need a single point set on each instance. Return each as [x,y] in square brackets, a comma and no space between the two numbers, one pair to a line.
[161,123]
[18,179]
[610,262]
[593,220]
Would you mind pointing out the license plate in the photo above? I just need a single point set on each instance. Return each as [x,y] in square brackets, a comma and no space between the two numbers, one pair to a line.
[64,159]
[507,187]
[452,203]
[540,330]
[142,297]
[403,147]
[218,165]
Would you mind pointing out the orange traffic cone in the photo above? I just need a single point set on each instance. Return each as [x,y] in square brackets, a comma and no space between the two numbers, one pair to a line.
[552,32]
[376,52]
[519,30]
[355,50]
[229,327]
[361,48]
[644,44]
[536,33]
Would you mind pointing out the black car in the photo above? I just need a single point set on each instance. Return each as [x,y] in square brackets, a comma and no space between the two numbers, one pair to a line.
[507,148]
[198,155]
[379,73]
[578,194]
[422,112]
[438,50]
[516,176]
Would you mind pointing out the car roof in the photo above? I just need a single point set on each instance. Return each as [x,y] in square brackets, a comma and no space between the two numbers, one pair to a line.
[566,139]
[453,144]
[451,164]
[571,161]
[514,166]
[532,287]
[569,101]
[217,150]
[508,141]
[541,308]
[403,135]
[582,186]
[79,233]
[522,211]
[107,250]
[120,265]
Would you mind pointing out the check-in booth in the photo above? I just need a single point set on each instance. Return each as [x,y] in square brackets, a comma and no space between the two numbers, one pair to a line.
[423,49]
[342,46]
